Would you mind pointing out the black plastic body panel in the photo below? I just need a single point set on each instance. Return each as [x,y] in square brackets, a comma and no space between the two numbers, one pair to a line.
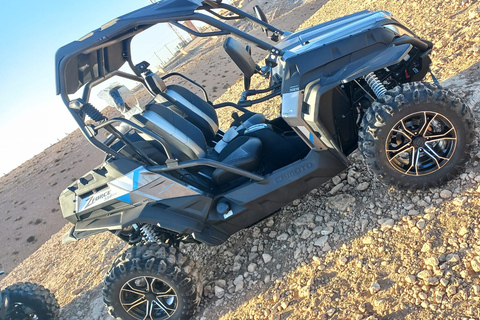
[250,203]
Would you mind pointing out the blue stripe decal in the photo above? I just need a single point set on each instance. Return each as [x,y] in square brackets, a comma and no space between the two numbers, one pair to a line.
[125,198]
[136,174]
[311,137]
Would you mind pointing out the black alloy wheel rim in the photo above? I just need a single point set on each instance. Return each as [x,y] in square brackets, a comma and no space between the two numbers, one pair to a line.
[148,298]
[421,143]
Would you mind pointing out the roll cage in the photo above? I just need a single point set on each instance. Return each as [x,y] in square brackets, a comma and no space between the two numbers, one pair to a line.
[97,56]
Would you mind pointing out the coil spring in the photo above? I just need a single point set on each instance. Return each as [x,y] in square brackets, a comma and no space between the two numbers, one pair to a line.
[93,113]
[377,87]
[149,234]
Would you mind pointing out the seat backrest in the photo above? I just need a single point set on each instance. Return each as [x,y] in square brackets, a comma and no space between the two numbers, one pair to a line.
[186,141]
[187,104]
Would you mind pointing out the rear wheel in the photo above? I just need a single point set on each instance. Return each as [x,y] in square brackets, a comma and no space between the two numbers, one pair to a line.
[30,301]
[154,282]
[416,136]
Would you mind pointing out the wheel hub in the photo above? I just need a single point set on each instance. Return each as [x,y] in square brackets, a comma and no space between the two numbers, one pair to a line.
[421,143]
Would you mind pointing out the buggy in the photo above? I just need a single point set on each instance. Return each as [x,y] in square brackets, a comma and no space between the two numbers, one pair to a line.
[171,175]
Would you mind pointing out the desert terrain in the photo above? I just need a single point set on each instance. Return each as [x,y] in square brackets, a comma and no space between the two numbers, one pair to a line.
[340,252]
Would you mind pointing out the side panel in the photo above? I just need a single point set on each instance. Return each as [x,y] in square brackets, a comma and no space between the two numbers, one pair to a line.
[253,202]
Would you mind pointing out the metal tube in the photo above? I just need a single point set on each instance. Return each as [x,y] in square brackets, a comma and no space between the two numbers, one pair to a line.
[209,163]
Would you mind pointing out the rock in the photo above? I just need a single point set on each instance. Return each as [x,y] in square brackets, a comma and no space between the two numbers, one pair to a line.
[451,290]
[421,224]
[327,231]
[476,289]
[446,194]
[463,231]
[336,180]
[252,267]
[363,186]
[320,242]
[306,234]
[427,247]
[413,212]
[452,258]
[432,261]
[340,202]
[475,263]
[337,188]
[219,292]
[410,278]
[284,236]
[422,295]
[342,261]
[296,202]
[387,224]
[270,223]
[77,291]
[266,257]
[368,240]
[239,283]
[304,220]
[374,288]
[425,274]
[432,281]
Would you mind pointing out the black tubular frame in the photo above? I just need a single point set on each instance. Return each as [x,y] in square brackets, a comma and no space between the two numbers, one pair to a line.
[208,163]
[223,28]
[171,74]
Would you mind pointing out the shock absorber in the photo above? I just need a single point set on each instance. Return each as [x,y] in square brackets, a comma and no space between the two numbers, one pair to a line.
[377,87]
[149,234]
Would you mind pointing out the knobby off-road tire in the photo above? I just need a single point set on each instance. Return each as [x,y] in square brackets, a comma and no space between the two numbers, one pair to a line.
[30,301]
[154,282]
[417,136]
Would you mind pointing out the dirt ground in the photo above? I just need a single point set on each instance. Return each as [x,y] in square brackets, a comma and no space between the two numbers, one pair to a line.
[370,274]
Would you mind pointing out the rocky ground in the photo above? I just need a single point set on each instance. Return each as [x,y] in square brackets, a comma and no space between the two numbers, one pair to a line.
[350,249]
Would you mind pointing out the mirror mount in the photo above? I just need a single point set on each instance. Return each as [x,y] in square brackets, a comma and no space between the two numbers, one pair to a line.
[261,16]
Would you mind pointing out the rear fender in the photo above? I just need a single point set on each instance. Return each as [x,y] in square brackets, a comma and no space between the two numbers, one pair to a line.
[182,215]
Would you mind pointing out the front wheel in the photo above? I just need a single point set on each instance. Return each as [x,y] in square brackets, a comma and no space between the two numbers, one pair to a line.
[30,301]
[417,136]
[154,282]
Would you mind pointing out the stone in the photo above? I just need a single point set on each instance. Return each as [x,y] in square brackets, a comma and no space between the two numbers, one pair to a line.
[368,240]
[475,263]
[446,194]
[326,231]
[463,231]
[452,258]
[374,288]
[266,257]
[270,223]
[219,292]
[340,202]
[283,237]
[321,242]
[427,247]
[337,188]
[239,283]
[451,290]
[252,267]
[410,278]
[422,295]
[421,224]
[304,220]
[306,234]
[336,180]
[432,261]
[425,274]
[432,281]
[387,224]
[363,186]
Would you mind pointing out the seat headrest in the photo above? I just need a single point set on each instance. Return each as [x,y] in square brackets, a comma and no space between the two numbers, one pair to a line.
[155,83]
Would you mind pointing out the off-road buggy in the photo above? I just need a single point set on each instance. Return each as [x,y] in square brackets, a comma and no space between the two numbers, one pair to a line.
[171,175]
[27,301]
